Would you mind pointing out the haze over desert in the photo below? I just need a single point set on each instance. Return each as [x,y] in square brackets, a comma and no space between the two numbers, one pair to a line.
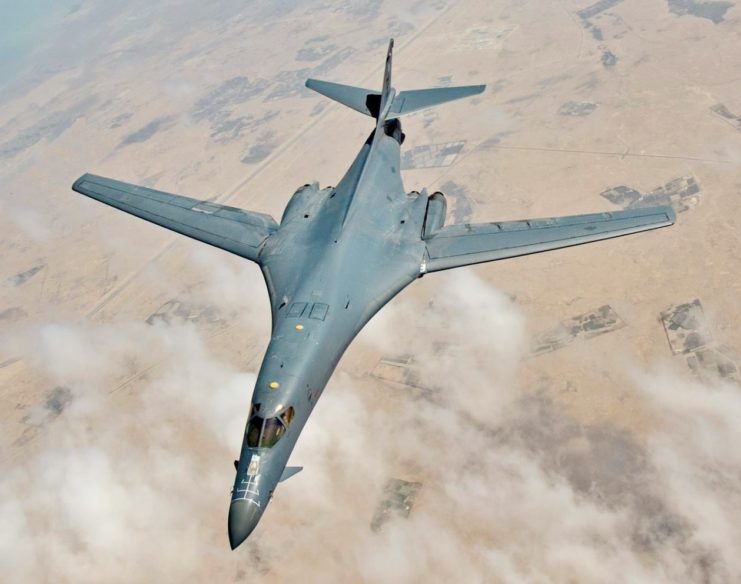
[562,417]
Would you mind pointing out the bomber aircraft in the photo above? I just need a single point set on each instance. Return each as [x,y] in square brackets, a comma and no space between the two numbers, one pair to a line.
[338,255]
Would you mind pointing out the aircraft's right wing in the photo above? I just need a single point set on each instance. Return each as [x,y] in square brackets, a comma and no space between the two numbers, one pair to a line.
[235,230]
[462,245]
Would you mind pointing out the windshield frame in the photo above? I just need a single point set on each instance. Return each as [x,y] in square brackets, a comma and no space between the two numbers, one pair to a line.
[265,433]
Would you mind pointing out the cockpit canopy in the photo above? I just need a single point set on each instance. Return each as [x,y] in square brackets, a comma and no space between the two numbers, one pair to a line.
[265,432]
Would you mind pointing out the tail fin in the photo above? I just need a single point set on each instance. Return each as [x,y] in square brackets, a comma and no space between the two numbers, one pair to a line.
[387,92]
[387,104]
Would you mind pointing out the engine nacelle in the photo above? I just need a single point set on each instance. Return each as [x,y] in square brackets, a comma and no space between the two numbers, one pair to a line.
[435,215]
[302,203]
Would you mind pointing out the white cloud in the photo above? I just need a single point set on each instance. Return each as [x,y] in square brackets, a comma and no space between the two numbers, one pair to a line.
[129,493]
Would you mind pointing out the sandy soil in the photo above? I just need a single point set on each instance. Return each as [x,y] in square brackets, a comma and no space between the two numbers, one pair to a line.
[607,458]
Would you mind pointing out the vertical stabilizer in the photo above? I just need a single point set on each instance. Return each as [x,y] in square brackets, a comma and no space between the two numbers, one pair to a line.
[387,92]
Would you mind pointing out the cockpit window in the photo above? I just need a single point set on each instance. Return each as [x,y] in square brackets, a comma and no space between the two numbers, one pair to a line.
[253,431]
[272,431]
[265,433]
[287,416]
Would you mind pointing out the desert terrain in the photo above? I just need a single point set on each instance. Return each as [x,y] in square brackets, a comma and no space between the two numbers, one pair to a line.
[565,417]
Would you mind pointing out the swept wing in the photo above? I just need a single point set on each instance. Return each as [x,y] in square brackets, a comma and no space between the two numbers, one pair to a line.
[462,245]
[234,230]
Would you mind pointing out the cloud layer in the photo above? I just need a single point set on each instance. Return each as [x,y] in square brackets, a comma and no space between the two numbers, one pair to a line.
[514,489]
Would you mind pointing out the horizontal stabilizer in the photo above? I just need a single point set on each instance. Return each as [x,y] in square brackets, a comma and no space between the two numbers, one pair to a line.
[368,102]
[387,104]
[407,102]
[365,101]
[289,471]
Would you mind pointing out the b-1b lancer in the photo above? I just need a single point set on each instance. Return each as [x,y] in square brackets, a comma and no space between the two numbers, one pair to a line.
[338,255]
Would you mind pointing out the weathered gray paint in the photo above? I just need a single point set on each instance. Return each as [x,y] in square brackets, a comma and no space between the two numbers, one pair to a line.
[338,255]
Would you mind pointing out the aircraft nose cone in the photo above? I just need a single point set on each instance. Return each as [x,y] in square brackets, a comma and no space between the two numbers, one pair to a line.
[243,518]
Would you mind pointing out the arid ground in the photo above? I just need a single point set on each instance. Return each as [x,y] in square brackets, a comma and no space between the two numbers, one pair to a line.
[565,417]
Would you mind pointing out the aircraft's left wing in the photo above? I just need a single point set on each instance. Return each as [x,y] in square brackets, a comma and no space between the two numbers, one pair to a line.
[462,245]
[234,230]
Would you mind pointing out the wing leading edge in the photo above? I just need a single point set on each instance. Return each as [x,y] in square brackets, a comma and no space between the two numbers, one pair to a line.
[235,230]
[462,245]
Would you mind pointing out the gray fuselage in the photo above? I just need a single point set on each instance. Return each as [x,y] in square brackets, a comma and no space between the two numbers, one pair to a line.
[340,254]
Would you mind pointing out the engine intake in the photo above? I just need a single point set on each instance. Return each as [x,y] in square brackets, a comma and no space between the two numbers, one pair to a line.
[435,215]
[302,203]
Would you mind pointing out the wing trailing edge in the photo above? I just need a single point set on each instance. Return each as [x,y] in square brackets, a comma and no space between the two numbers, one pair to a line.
[462,245]
[229,228]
